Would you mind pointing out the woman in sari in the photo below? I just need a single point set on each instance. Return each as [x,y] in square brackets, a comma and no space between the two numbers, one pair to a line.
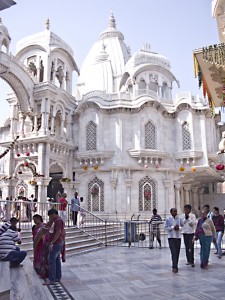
[206,233]
[40,246]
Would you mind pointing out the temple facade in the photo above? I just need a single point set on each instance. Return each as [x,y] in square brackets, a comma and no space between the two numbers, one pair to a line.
[119,137]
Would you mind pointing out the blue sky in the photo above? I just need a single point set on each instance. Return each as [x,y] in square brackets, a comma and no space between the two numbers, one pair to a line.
[173,28]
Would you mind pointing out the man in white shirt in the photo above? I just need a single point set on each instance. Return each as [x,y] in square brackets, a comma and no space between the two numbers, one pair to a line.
[189,224]
[173,225]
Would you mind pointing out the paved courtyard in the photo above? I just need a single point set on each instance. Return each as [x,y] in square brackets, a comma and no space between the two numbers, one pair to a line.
[140,273]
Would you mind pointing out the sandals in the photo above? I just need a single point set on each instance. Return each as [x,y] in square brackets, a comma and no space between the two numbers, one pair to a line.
[47,282]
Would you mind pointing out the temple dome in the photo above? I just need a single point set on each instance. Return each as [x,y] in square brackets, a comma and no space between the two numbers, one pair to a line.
[104,64]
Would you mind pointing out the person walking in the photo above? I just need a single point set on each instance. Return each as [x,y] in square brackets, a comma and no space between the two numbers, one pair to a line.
[56,240]
[205,232]
[62,207]
[155,221]
[82,211]
[189,224]
[206,207]
[173,225]
[218,221]
[75,207]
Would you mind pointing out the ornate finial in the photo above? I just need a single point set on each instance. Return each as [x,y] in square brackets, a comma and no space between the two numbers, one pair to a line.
[112,21]
[146,47]
[47,24]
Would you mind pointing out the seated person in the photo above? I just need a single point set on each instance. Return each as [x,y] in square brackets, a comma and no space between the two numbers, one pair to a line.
[8,249]
[13,221]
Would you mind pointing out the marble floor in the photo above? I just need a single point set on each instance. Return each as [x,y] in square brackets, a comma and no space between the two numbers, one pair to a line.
[137,273]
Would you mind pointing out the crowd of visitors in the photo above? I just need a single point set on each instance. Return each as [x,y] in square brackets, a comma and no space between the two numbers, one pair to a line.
[208,229]
[49,237]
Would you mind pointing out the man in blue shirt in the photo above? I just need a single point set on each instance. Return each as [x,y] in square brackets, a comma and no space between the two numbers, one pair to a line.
[74,208]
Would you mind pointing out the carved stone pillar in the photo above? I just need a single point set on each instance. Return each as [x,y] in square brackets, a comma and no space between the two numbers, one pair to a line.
[42,183]
[62,128]
[53,125]
[43,116]
[35,124]
[201,200]
[195,202]
[160,91]
[113,182]
[128,183]
[69,189]
[22,121]
[43,158]
[187,189]
[6,190]
[178,185]
[69,128]
[13,183]
[168,204]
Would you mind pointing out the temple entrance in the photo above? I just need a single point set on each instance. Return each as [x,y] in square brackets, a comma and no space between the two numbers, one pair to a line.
[55,187]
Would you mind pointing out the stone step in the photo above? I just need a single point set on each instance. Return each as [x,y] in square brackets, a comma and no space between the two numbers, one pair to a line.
[5,281]
[24,277]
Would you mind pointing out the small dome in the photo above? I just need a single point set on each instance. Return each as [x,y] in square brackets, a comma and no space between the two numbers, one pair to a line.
[146,56]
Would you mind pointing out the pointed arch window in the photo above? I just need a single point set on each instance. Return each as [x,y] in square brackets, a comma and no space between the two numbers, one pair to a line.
[147,194]
[186,136]
[91,136]
[150,136]
[96,195]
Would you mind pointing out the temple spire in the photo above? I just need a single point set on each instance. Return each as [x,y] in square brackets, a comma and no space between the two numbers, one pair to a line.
[47,24]
[112,21]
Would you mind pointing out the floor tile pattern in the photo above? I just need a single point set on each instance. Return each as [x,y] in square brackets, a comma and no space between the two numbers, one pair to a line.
[137,273]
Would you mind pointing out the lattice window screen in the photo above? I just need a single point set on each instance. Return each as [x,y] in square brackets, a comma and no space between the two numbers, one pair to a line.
[96,199]
[186,136]
[147,202]
[91,136]
[150,136]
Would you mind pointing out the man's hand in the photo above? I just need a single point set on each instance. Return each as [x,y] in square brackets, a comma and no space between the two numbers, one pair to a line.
[186,216]
[176,227]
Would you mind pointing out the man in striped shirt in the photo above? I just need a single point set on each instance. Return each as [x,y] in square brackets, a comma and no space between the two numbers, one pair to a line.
[13,221]
[8,249]
[154,228]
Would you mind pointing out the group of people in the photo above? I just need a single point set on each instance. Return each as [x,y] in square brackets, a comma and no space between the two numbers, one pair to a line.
[48,245]
[20,208]
[208,229]
[77,209]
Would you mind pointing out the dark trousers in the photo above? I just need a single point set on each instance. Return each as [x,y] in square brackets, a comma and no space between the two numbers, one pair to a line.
[174,245]
[15,257]
[189,247]
[74,217]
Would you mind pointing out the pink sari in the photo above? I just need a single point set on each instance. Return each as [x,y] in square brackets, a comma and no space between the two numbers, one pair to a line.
[41,250]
